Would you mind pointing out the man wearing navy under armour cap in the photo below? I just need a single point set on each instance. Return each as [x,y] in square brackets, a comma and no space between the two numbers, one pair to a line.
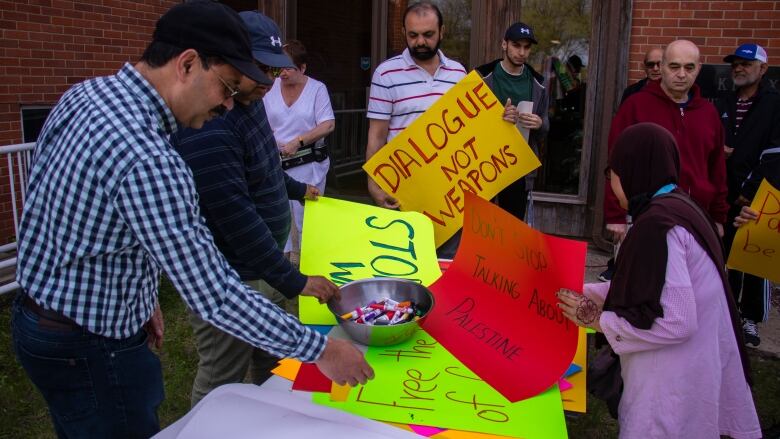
[244,197]
[751,118]
[266,40]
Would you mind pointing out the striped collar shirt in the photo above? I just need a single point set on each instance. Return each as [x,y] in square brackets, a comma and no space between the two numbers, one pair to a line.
[111,206]
[401,90]
[743,106]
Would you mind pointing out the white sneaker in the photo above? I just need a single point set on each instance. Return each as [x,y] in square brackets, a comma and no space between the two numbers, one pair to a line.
[750,330]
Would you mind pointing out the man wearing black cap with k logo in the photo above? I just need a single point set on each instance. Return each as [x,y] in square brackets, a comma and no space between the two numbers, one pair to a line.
[110,207]
[514,81]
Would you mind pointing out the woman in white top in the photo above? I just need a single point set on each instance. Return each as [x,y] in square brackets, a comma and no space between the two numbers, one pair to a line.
[301,116]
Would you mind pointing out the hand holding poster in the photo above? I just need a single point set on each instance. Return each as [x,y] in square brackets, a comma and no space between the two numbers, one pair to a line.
[496,309]
[346,241]
[461,144]
[757,244]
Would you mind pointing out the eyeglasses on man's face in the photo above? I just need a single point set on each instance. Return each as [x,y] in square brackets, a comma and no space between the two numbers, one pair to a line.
[229,92]
[273,71]
[652,64]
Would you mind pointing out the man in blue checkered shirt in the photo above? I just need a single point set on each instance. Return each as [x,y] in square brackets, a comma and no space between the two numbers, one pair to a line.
[110,207]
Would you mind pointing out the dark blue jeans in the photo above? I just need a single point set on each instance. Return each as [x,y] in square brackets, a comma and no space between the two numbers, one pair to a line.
[95,387]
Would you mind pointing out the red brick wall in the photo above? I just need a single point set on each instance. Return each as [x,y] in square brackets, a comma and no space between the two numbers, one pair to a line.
[49,45]
[396,41]
[717,27]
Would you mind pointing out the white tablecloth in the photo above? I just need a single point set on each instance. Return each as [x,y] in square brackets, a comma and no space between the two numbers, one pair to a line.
[236,411]
[273,410]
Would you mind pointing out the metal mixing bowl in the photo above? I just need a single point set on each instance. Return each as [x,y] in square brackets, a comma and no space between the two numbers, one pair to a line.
[360,292]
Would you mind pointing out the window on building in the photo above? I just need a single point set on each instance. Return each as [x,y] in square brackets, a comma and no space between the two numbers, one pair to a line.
[33,118]
[562,28]
[457,25]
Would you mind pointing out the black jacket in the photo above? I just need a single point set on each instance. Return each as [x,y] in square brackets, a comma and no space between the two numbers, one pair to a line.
[756,143]
[633,88]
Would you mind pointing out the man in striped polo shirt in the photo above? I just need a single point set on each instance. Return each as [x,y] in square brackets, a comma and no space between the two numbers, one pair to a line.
[403,87]
[751,119]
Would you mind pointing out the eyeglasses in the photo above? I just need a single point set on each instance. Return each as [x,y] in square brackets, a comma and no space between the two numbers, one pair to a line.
[230,92]
[652,64]
[275,71]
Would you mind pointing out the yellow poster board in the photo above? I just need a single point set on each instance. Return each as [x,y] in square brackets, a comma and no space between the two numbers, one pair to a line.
[756,246]
[575,399]
[345,241]
[460,144]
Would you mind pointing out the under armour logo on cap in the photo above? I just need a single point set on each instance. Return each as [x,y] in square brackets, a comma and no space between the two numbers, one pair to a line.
[266,40]
[520,31]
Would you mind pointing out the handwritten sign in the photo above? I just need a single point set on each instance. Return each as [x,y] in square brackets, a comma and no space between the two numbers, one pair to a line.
[496,306]
[459,145]
[346,241]
[420,382]
[756,246]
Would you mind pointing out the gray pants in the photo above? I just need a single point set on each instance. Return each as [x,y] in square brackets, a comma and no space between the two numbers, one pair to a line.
[224,359]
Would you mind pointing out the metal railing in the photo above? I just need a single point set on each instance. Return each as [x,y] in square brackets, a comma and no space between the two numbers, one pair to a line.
[346,147]
[347,143]
[18,161]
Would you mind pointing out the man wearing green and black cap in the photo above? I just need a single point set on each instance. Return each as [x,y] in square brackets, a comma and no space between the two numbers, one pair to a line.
[514,81]
[110,207]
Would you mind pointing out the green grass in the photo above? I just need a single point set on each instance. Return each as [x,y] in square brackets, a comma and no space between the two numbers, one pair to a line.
[23,412]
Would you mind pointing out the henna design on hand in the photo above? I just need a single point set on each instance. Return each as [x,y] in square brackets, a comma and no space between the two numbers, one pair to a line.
[587,311]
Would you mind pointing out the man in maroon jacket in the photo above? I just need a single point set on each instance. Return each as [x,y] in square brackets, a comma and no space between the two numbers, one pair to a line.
[676,104]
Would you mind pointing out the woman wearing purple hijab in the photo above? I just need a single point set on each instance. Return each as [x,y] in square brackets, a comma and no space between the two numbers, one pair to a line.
[668,312]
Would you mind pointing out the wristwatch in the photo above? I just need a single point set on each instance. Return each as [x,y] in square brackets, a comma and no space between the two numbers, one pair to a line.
[300,141]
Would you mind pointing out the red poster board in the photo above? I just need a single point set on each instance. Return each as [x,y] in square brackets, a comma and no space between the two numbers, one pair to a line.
[495,307]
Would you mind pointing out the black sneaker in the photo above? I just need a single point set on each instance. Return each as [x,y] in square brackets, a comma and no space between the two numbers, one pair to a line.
[607,274]
[750,329]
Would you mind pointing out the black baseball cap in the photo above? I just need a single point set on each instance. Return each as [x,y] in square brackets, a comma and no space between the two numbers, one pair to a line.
[266,40]
[520,31]
[212,29]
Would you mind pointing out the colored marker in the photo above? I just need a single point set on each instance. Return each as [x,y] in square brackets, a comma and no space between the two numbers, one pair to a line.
[388,307]
[381,320]
[372,315]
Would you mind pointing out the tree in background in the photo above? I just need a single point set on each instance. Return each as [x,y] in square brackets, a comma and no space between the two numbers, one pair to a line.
[562,28]
[457,29]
